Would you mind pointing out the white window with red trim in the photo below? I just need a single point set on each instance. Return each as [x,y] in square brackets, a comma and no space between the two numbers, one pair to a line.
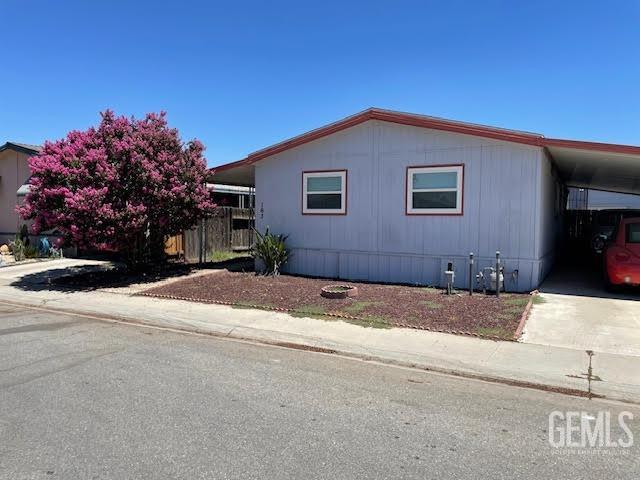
[435,190]
[324,193]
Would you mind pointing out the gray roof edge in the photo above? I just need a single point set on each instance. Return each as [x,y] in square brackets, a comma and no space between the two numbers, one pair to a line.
[21,147]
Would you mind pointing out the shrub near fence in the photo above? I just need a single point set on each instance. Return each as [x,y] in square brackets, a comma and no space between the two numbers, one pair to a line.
[229,229]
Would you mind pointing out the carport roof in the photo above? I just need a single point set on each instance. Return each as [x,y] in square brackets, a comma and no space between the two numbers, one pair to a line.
[599,166]
[602,166]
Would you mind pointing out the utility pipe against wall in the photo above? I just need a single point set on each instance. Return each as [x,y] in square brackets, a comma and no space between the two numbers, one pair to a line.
[471,274]
[498,273]
[450,276]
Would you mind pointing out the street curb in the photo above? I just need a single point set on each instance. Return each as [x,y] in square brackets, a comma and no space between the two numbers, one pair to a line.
[330,351]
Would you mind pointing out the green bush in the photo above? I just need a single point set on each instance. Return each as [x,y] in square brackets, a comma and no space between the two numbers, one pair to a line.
[18,249]
[271,249]
[31,252]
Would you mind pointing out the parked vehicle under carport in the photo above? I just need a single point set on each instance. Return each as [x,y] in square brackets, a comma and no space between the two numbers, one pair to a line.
[605,224]
[622,254]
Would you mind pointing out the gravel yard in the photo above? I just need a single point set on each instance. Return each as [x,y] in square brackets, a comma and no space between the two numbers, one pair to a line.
[376,305]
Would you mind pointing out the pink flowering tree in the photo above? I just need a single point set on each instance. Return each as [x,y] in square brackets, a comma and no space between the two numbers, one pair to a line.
[126,185]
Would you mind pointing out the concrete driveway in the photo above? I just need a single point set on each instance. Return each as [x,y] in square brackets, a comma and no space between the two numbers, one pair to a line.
[578,313]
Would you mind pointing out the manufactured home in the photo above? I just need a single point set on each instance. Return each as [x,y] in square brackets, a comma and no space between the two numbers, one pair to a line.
[395,197]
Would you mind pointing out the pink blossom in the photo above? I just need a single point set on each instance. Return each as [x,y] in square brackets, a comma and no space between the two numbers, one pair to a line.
[109,184]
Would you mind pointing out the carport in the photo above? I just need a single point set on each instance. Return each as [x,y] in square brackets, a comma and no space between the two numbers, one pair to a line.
[595,166]
[598,166]
[578,312]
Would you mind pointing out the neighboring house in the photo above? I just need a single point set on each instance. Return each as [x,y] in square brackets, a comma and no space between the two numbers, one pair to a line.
[14,173]
[396,197]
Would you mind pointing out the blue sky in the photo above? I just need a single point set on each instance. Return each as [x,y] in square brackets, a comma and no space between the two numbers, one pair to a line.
[243,75]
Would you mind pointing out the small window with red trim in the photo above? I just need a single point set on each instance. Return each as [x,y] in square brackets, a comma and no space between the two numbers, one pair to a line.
[324,192]
[434,190]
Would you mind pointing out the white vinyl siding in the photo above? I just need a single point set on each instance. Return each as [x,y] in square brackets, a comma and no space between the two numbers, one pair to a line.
[376,240]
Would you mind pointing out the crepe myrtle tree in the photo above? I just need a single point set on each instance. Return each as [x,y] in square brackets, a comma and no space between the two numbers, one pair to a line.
[125,185]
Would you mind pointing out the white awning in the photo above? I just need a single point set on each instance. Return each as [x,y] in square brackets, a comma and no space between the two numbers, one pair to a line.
[221,188]
[598,170]
[234,174]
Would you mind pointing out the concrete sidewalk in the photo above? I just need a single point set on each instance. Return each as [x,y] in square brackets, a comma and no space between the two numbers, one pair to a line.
[47,268]
[504,361]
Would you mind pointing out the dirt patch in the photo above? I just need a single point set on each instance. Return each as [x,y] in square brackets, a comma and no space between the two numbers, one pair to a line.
[377,305]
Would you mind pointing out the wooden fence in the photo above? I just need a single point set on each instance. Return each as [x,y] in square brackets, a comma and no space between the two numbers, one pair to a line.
[229,229]
[174,246]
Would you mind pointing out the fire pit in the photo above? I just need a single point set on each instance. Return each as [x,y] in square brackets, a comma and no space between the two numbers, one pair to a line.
[339,291]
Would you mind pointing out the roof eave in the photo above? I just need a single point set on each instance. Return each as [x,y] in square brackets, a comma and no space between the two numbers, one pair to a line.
[495,133]
[18,148]
[402,119]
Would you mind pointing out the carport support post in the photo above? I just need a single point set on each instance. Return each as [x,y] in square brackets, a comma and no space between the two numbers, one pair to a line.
[498,273]
[471,274]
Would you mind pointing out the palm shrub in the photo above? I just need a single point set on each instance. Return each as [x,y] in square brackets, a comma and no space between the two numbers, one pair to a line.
[271,250]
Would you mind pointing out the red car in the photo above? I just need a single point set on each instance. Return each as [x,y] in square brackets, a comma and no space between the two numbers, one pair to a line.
[622,255]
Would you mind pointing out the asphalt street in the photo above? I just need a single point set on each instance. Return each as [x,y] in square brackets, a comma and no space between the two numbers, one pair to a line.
[86,399]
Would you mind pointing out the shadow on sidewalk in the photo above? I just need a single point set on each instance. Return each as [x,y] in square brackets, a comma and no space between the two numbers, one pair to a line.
[95,277]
